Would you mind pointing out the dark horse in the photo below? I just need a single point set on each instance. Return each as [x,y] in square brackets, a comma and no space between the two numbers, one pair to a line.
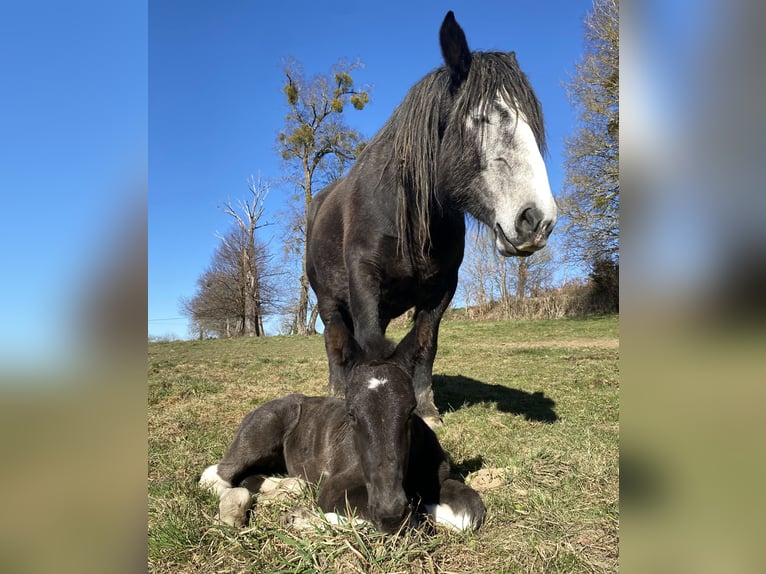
[468,138]
[369,454]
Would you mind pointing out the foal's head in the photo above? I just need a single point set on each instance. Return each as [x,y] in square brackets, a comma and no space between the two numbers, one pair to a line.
[380,403]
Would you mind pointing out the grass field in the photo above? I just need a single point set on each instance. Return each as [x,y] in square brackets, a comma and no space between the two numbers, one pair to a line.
[530,413]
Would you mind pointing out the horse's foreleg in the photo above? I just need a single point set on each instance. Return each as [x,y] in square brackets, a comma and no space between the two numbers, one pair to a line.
[364,302]
[337,333]
[428,318]
[337,373]
[424,393]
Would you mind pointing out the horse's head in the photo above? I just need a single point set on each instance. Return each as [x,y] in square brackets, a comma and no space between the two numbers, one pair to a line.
[492,147]
[380,404]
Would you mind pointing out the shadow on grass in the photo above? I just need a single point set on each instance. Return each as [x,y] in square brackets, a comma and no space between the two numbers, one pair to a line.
[452,393]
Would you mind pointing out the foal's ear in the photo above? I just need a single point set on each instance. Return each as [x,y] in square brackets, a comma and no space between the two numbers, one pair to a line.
[414,347]
[341,345]
[455,50]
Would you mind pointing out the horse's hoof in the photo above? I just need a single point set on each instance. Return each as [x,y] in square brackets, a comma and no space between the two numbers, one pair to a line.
[235,503]
[433,421]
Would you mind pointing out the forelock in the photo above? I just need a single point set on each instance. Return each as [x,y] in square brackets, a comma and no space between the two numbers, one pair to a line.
[494,73]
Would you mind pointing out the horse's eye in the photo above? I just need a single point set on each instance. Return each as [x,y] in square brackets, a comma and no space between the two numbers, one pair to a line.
[351,417]
[481,119]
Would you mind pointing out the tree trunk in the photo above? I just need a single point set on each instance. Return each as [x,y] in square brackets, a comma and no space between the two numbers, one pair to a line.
[303,297]
[303,303]
[259,326]
[523,275]
[312,330]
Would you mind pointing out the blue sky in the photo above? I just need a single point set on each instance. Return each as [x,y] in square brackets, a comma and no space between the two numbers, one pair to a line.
[216,105]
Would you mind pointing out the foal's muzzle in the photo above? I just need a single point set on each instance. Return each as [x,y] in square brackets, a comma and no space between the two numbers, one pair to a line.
[389,516]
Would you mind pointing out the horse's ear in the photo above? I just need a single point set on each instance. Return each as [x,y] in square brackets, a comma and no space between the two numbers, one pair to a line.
[341,345]
[455,50]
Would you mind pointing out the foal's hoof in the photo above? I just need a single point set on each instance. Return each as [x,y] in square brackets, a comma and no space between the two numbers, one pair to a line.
[302,519]
[235,503]
[280,489]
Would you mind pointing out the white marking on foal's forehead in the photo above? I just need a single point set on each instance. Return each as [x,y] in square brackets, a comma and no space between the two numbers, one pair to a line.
[374,383]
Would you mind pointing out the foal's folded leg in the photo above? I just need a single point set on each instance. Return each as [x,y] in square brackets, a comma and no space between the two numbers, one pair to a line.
[256,451]
[272,488]
[459,507]
[343,495]
[258,445]
[234,506]
[234,503]
[336,504]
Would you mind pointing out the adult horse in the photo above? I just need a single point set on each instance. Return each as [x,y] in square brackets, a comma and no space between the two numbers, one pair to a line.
[467,139]
[369,452]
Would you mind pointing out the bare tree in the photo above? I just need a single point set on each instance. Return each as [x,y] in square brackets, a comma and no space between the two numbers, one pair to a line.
[238,288]
[591,201]
[318,146]
[487,278]
[242,246]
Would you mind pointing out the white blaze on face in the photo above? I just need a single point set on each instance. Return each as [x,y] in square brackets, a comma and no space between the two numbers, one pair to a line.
[514,175]
[374,383]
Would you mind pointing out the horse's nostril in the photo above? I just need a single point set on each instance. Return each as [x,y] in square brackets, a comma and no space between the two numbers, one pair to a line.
[529,220]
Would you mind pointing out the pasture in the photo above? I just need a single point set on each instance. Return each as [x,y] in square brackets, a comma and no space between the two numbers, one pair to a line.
[530,412]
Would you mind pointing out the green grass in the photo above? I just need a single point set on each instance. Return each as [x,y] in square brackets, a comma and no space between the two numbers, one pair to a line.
[534,403]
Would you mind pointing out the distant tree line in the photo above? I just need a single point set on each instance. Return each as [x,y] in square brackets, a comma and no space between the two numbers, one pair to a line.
[591,200]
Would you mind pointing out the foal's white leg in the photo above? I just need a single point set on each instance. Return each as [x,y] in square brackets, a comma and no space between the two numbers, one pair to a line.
[234,502]
[281,488]
[444,515]
[212,481]
[307,519]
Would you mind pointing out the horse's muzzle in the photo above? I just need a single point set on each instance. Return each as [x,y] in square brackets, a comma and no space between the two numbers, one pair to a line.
[532,232]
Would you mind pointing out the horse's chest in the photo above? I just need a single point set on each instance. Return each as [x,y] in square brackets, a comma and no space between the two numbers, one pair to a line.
[397,294]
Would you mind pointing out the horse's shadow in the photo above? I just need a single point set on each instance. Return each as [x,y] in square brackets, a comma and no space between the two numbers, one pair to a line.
[452,393]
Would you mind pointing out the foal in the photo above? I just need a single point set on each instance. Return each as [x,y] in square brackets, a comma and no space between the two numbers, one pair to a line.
[369,453]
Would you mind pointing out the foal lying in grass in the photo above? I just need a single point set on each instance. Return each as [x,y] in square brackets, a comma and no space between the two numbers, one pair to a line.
[370,454]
